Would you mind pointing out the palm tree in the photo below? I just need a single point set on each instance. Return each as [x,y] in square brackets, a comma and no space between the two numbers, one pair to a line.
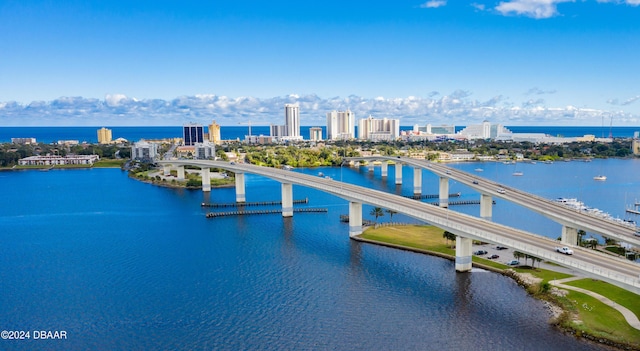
[449,236]
[581,234]
[391,213]
[518,255]
[377,212]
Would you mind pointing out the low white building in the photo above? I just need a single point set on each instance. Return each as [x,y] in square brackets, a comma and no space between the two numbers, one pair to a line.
[49,160]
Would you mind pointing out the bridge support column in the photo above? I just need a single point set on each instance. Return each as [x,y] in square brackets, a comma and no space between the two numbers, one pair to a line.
[355,218]
[180,172]
[240,190]
[417,181]
[384,169]
[569,235]
[370,166]
[486,206]
[205,174]
[444,192]
[398,173]
[463,254]
[166,170]
[287,200]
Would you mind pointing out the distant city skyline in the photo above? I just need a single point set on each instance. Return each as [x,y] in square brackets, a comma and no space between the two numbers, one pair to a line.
[515,62]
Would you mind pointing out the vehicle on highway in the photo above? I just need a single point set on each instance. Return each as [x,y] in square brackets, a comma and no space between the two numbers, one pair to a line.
[493,257]
[565,250]
[500,248]
[513,263]
[475,182]
[480,252]
[501,191]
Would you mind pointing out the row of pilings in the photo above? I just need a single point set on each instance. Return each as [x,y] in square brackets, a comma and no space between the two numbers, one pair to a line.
[260,203]
[262,212]
[429,196]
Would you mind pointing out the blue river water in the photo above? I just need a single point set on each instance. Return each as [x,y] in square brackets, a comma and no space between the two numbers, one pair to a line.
[122,265]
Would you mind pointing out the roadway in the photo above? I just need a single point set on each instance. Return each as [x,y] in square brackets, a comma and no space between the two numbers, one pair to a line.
[555,211]
[615,270]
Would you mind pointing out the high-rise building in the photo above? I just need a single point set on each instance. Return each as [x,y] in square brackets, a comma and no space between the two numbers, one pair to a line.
[214,133]
[292,120]
[104,136]
[341,125]
[205,150]
[315,133]
[192,133]
[291,128]
[378,129]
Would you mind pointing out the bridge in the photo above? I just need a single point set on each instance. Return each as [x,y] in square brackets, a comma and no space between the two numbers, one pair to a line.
[593,264]
[570,219]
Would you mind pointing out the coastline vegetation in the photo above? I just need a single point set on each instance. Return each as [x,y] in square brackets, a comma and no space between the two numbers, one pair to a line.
[583,315]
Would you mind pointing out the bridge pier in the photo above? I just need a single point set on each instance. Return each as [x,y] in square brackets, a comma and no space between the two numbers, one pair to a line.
[205,174]
[569,235]
[398,168]
[166,170]
[355,218]
[287,200]
[486,206]
[444,192]
[370,166]
[180,172]
[463,254]
[240,189]
[384,169]
[417,181]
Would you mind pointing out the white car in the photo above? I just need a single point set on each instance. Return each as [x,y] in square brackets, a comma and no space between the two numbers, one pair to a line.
[500,191]
[565,250]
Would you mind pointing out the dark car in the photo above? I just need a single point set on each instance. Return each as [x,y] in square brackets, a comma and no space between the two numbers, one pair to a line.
[500,248]
[492,257]
[480,252]
[475,182]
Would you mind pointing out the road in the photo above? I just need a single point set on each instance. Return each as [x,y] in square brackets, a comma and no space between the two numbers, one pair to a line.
[615,270]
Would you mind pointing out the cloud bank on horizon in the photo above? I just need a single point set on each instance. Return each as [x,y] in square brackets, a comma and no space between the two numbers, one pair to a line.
[458,108]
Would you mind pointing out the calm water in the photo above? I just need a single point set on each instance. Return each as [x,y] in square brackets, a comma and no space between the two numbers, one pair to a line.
[123,265]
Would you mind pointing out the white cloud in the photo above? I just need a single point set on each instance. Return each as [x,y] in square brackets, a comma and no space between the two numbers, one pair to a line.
[458,107]
[479,7]
[531,8]
[432,4]
[628,2]
[538,91]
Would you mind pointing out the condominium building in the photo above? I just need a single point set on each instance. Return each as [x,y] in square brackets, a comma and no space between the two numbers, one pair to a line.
[50,160]
[315,133]
[214,133]
[144,151]
[205,150]
[341,125]
[484,131]
[291,128]
[292,120]
[378,129]
[104,136]
[192,133]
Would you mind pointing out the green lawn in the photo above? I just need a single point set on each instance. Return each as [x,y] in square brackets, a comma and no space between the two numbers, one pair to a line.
[109,163]
[600,320]
[592,316]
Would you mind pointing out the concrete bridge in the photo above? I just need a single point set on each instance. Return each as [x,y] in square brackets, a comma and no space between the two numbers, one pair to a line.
[570,219]
[615,270]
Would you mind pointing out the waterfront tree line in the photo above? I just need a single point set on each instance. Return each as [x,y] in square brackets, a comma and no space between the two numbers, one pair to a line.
[331,154]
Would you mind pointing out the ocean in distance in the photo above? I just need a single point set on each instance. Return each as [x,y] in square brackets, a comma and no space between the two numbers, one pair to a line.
[89,134]
[124,265]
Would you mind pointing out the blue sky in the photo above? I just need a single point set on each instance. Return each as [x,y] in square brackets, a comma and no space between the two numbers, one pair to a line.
[521,61]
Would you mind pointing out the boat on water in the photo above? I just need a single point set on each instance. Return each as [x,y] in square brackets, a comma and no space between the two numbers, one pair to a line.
[518,173]
[320,174]
[600,177]
[479,170]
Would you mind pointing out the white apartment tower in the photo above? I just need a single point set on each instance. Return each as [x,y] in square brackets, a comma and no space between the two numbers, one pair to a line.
[378,129]
[340,125]
[292,120]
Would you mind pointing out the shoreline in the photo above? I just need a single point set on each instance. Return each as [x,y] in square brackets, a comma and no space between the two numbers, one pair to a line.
[557,312]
